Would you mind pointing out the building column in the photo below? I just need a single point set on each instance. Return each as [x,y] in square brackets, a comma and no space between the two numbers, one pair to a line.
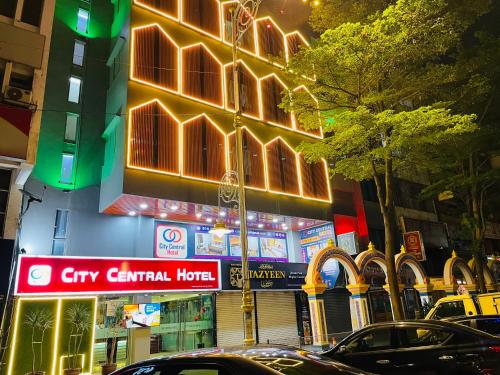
[317,311]
[139,339]
[360,316]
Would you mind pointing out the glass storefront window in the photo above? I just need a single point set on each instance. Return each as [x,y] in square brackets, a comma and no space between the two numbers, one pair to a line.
[186,323]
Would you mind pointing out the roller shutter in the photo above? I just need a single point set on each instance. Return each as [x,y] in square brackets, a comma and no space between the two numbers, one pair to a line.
[229,319]
[277,318]
[337,310]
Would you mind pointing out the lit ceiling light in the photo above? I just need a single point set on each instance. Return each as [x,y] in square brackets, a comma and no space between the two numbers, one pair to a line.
[174,207]
[132,213]
[275,220]
[222,213]
[285,227]
[209,220]
[251,216]
[260,225]
[143,206]
[301,223]
[237,222]
[198,215]
[163,215]
[220,229]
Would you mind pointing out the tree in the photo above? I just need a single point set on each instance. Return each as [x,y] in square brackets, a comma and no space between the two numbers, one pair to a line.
[376,86]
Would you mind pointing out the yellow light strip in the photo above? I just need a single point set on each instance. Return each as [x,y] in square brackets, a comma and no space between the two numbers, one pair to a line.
[61,359]
[181,148]
[132,60]
[129,136]
[222,73]
[157,11]
[184,22]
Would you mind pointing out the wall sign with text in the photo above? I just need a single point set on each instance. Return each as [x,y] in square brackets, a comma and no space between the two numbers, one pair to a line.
[48,275]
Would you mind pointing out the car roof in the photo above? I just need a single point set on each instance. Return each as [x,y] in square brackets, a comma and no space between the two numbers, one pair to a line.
[471,317]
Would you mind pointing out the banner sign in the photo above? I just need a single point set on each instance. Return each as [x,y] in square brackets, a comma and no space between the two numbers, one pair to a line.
[414,244]
[264,275]
[314,239]
[81,275]
[176,240]
[348,242]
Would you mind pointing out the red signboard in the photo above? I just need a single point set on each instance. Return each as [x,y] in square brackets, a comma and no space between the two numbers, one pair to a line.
[80,275]
[414,244]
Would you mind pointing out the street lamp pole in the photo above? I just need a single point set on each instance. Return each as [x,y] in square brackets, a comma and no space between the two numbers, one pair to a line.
[242,18]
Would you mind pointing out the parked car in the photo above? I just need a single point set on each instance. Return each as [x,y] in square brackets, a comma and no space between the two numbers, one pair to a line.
[427,347]
[465,305]
[258,360]
[486,323]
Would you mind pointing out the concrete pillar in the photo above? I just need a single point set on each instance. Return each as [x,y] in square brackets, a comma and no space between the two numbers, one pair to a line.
[139,339]
[360,316]
[317,311]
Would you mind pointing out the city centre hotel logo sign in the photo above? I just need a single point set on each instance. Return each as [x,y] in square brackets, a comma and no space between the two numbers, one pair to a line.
[171,241]
[81,275]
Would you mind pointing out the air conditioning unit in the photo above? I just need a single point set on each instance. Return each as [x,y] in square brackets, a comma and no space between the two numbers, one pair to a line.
[17,96]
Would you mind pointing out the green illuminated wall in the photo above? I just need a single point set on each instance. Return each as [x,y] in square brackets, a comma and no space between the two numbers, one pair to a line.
[94,74]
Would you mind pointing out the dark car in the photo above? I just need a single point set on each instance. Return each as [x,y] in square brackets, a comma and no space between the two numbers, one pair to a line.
[420,347]
[486,323]
[258,360]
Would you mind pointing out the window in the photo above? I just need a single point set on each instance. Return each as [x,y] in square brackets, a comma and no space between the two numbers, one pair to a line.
[165,7]
[202,75]
[8,8]
[155,57]
[202,14]
[490,325]
[78,52]
[314,179]
[272,91]
[415,336]
[74,89]
[377,339]
[67,168]
[270,39]
[82,22]
[22,78]
[282,167]
[154,142]
[70,133]
[204,149]
[32,12]
[60,231]
[449,309]
[249,90]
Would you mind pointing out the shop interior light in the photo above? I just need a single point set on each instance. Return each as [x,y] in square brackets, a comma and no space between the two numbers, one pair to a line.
[143,206]
[132,213]
[198,215]
[220,229]
[209,220]
[174,207]
[222,214]
[251,216]
[285,227]
[275,220]
[163,215]
[301,223]
[237,222]
[260,225]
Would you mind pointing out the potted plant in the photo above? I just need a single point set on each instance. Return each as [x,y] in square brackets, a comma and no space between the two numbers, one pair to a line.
[78,316]
[115,323]
[39,321]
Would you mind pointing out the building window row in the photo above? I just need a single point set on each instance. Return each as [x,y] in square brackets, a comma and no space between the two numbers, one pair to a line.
[264,38]
[198,148]
[195,72]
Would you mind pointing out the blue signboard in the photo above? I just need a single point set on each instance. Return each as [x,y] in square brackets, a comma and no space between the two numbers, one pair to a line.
[176,240]
[313,240]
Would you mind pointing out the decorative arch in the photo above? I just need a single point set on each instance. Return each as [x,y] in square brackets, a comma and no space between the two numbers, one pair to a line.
[282,168]
[153,139]
[202,75]
[253,156]
[155,58]
[371,255]
[449,266]
[319,259]
[203,16]
[204,155]
[165,8]
[294,42]
[297,93]
[271,88]
[405,258]
[250,96]
[270,39]
[489,278]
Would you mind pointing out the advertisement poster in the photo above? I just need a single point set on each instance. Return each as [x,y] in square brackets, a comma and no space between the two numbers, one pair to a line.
[235,246]
[314,239]
[273,247]
[348,242]
[208,244]
[142,315]
[414,244]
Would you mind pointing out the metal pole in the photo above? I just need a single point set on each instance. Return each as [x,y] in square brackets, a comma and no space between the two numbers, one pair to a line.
[247,305]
